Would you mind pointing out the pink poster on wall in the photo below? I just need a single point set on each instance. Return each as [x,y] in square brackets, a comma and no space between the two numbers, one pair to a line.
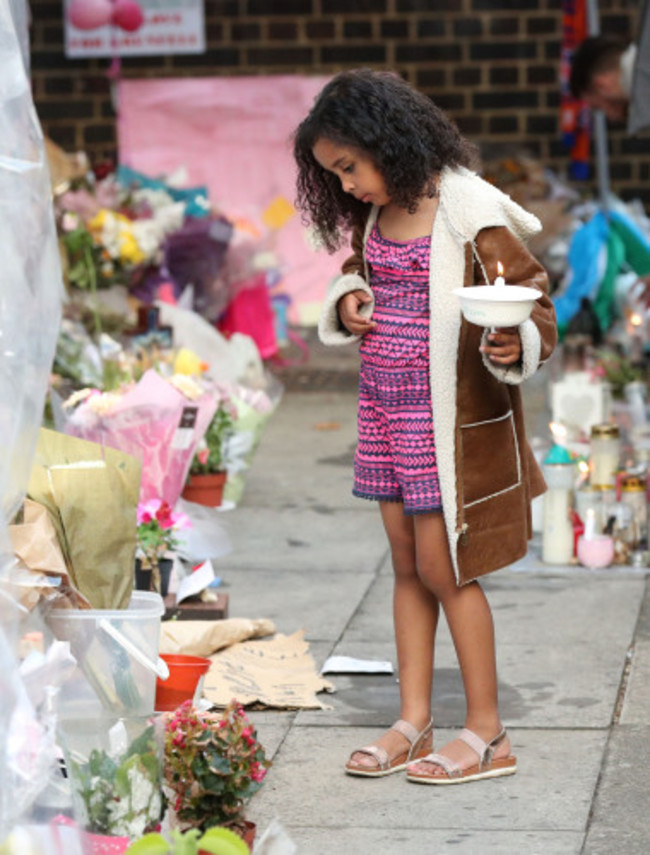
[233,134]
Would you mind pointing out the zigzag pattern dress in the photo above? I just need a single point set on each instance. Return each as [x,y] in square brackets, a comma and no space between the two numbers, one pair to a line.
[395,459]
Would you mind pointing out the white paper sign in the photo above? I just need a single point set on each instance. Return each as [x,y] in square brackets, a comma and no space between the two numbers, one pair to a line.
[350,665]
[169,27]
[195,582]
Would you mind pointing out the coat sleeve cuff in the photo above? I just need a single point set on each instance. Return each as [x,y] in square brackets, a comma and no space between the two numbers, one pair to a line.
[531,349]
[330,329]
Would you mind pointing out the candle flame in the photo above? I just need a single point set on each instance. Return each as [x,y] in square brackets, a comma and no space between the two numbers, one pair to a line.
[635,319]
[499,269]
[583,466]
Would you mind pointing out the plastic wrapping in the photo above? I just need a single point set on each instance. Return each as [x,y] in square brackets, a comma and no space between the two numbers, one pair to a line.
[30,277]
[30,308]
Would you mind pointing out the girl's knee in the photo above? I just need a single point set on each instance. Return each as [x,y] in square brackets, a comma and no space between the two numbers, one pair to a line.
[437,579]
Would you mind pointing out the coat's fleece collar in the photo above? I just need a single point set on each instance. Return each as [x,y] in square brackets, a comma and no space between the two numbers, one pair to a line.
[471,204]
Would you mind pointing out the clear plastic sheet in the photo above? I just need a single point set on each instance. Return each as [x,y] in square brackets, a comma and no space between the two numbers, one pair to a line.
[31,292]
[31,287]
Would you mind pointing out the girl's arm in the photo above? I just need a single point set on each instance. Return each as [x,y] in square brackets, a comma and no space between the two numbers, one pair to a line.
[538,335]
[345,314]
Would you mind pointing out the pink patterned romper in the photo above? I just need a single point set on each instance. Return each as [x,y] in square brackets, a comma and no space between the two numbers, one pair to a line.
[395,459]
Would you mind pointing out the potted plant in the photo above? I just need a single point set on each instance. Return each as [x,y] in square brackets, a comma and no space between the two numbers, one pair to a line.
[157,532]
[212,765]
[215,841]
[207,475]
[116,785]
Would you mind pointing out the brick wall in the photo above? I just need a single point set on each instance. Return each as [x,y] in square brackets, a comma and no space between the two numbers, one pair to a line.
[492,64]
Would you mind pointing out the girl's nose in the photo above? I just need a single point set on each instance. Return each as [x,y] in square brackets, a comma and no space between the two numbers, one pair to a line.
[347,184]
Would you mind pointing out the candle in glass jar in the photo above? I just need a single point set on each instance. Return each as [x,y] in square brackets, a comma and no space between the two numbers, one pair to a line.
[604,455]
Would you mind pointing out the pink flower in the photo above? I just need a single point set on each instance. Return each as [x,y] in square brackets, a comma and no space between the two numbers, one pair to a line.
[258,773]
[147,511]
[203,455]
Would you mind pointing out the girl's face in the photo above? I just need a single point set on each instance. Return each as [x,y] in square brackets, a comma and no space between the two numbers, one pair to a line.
[354,169]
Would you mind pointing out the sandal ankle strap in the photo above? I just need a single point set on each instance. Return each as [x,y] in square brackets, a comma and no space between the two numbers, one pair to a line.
[407,730]
[485,750]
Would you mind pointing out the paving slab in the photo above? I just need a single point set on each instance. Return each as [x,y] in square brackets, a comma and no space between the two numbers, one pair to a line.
[311,540]
[399,841]
[295,599]
[528,607]
[306,453]
[620,814]
[539,686]
[551,792]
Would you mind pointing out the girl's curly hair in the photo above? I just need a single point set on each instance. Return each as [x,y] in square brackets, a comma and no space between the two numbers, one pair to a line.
[407,137]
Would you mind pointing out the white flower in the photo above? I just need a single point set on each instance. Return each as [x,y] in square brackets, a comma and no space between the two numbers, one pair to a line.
[77,397]
[186,386]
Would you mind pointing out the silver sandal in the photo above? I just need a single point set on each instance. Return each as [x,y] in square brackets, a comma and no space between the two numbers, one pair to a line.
[385,764]
[487,766]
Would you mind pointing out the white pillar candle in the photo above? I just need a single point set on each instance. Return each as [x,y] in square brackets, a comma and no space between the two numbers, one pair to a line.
[557,533]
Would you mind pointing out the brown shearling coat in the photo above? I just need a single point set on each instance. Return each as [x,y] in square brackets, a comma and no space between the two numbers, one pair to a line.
[487,472]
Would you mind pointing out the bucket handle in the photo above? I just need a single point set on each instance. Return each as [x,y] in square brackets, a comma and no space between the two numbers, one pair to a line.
[159,667]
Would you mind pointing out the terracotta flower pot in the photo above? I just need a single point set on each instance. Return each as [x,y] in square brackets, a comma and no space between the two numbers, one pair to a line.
[205,489]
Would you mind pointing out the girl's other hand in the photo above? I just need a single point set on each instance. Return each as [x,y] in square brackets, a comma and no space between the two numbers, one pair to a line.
[504,346]
[348,308]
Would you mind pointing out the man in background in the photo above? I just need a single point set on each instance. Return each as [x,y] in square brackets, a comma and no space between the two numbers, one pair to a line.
[601,75]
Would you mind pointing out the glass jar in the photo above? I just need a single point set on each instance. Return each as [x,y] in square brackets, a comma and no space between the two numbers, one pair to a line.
[605,449]
[633,494]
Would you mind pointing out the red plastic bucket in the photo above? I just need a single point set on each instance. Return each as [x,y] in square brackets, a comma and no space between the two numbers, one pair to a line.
[184,675]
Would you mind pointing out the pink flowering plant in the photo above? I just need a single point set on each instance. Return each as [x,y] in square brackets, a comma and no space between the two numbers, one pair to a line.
[158,526]
[213,764]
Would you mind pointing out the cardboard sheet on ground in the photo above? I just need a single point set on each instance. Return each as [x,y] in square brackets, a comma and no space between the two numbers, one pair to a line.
[278,673]
[233,135]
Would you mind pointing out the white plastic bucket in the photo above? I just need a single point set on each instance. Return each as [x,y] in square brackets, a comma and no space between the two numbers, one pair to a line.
[116,652]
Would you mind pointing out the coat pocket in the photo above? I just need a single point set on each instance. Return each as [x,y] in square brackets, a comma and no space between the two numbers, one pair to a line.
[491,462]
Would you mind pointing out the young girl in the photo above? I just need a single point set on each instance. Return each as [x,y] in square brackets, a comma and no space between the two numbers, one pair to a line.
[441,430]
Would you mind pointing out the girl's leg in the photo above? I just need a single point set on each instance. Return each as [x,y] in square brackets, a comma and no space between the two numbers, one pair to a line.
[470,623]
[415,615]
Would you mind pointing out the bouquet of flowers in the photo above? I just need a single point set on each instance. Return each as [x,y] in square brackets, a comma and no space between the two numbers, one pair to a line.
[212,765]
[157,420]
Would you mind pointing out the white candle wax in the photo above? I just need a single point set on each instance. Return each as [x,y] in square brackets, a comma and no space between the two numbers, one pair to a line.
[557,534]
[499,281]
[590,524]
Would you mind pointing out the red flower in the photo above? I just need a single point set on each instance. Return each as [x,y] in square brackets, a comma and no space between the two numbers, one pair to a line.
[164,516]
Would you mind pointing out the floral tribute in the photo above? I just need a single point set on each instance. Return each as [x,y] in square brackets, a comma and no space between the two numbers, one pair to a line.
[120,796]
[158,526]
[213,764]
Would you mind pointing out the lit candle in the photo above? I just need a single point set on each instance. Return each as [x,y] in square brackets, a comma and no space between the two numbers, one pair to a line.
[499,281]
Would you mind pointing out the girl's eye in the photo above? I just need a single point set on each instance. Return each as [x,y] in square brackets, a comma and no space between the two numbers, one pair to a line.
[348,169]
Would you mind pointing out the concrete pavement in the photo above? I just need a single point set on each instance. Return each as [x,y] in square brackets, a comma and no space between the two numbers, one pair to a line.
[573,654]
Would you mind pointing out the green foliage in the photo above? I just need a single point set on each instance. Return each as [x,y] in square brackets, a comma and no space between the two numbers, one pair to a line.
[209,457]
[617,370]
[213,765]
[123,796]
[216,841]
